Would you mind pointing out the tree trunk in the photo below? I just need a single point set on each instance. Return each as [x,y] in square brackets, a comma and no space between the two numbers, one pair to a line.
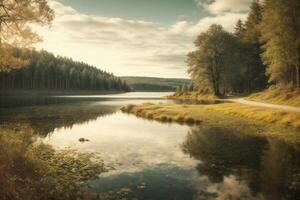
[213,80]
[297,77]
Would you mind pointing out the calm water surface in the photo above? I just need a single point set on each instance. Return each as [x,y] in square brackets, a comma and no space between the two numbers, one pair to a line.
[152,160]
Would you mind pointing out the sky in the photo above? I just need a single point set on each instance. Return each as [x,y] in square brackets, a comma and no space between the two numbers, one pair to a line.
[135,37]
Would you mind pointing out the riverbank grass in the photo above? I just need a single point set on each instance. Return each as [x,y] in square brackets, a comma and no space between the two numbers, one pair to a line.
[275,95]
[193,96]
[192,114]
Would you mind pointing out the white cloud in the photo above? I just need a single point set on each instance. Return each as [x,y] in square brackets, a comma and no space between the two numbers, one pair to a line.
[230,188]
[218,7]
[126,47]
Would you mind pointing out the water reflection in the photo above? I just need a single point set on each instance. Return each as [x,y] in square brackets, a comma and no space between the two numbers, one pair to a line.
[163,182]
[151,160]
[45,119]
[25,101]
[257,167]
[127,143]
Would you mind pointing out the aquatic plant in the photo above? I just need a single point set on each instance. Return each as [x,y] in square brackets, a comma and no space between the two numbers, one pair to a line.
[33,170]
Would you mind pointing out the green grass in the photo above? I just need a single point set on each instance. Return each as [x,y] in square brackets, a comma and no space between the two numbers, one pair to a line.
[274,95]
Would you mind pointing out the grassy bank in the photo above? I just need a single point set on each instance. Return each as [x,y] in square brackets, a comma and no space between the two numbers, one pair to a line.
[193,96]
[192,114]
[278,96]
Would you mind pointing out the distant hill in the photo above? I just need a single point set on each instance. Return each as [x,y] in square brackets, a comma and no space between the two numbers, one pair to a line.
[151,84]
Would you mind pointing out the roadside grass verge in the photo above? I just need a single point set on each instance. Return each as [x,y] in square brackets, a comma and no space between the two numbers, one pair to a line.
[273,116]
[278,96]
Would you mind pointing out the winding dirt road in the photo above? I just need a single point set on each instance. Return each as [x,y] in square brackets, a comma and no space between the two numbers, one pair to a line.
[266,105]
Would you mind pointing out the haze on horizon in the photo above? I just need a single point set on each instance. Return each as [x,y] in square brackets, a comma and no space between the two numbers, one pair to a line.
[135,37]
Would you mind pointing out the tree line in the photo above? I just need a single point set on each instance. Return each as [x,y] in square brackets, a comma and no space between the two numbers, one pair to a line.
[22,68]
[43,70]
[262,50]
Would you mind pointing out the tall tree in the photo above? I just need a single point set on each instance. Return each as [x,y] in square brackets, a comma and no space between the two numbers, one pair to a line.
[252,33]
[15,17]
[281,33]
[255,70]
[210,63]
[239,30]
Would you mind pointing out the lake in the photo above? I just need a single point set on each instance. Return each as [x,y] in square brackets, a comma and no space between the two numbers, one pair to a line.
[156,161]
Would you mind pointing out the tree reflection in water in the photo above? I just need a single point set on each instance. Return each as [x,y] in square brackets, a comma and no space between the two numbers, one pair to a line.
[270,168]
[45,119]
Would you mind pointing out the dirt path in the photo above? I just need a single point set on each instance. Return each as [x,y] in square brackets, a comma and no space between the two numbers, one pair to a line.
[266,105]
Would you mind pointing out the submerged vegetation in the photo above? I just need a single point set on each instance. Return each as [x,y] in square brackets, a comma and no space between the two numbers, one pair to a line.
[30,169]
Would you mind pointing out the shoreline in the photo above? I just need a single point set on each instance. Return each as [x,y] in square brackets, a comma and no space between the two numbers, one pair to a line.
[193,96]
[196,114]
[55,93]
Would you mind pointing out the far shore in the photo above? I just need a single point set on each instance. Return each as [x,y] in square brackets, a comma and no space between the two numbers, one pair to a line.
[56,92]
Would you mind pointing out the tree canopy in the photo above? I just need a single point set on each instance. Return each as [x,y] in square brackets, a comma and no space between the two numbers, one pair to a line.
[280,31]
[16,16]
[213,57]
[265,46]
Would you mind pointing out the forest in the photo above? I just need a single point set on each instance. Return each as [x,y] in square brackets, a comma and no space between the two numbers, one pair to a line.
[45,71]
[23,68]
[263,51]
[154,84]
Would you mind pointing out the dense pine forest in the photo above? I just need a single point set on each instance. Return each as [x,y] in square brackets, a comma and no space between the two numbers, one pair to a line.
[44,71]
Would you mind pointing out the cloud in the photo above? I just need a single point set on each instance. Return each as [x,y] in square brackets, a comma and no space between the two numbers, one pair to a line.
[218,7]
[126,47]
[230,188]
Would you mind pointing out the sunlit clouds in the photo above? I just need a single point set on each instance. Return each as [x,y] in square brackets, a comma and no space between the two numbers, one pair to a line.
[218,7]
[131,47]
